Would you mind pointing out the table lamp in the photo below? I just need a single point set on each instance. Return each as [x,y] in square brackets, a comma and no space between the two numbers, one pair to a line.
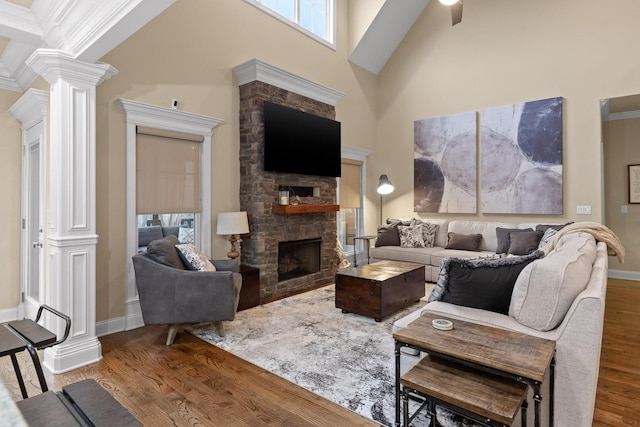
[232,224]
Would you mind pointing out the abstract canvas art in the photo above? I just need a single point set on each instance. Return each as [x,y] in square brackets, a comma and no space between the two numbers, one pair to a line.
[521,158]
[445,164]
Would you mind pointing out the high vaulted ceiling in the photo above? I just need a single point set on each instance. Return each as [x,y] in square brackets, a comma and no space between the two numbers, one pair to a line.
[85,29]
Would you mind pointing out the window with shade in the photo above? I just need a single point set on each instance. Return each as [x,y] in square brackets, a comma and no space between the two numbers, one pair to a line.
[350,217]
[167,185]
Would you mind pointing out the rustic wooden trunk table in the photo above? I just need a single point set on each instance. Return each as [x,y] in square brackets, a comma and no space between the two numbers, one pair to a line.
[493,350]
[379,289]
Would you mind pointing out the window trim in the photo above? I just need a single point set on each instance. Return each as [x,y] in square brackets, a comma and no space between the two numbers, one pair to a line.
[331,13]
[140,114]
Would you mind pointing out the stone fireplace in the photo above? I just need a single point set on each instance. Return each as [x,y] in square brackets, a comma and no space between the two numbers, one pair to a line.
[273,230]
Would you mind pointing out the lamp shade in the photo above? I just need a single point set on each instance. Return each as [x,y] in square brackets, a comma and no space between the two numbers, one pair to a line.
[232,223]
[384,185]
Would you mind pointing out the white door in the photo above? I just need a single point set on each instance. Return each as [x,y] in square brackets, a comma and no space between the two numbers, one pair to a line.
[33,223]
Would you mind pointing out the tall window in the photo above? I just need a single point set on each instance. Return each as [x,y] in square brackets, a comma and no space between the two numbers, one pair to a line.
[167,184]
[313,17]
[350,217]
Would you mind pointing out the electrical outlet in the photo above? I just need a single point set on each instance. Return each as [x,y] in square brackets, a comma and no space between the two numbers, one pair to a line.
[623,209]
[174,104]
[583,210]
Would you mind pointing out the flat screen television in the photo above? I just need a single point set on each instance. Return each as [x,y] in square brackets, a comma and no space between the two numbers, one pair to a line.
[299,142]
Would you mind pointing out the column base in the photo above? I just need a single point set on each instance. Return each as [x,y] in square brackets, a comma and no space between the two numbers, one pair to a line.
[72,355]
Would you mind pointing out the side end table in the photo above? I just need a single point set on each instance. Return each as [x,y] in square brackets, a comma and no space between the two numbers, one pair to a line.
[367,240]
[250,292]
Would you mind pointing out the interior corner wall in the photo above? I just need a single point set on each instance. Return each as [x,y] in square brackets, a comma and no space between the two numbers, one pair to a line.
[10,212]
[621,141]
[188,53]
[507,52]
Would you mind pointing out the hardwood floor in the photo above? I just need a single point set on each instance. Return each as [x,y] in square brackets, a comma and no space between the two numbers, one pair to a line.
[194,383]
[618,396]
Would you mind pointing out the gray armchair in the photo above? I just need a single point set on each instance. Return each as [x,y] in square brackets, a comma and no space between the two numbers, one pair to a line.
[175,297]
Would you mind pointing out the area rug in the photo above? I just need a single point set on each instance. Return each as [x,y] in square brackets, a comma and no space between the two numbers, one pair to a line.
[346,358]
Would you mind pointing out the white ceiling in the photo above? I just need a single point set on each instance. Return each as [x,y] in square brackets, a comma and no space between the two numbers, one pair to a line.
[86,29]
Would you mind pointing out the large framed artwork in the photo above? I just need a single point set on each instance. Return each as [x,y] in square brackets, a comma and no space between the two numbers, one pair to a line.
[521,158]
[445,164]
[634,184]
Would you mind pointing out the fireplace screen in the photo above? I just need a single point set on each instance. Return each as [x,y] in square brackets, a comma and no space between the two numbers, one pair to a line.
[298,258]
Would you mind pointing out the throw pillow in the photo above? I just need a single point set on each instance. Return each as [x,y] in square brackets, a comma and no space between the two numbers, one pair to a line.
[164,252]
[557,227]
[193,258]
[388,235]
[411,236]
[546,289]
[547,236]
[502,235]
[185,235]
[524,242]
[429,232]
[484,283]
[467,242]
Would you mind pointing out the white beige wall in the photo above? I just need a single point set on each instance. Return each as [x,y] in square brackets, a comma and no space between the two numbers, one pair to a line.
[188,53]
[10,165]
[506,52]
[621,139]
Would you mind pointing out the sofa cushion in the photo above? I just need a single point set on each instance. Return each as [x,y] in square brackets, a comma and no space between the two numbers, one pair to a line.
[484,283]
[411,236]
[429,231]
[194,259]
[397,253]
[171,230]
[148,234]
[164,251]
[467,242]
[524,242]
[502,236]
[388,235]
[546,288]
[557,227]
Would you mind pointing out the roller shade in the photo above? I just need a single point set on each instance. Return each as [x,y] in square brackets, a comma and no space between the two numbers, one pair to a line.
[167,174]
[350,184]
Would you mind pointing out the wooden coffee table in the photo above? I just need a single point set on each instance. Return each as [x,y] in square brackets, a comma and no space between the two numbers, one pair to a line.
[379,289]
[494,350]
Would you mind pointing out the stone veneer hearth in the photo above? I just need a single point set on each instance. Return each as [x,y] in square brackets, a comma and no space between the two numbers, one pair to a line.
[259,192]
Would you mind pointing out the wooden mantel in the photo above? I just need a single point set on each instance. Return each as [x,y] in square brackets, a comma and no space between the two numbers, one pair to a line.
[302,209]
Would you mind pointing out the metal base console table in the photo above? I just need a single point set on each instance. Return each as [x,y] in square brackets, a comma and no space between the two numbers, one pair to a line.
[496,351]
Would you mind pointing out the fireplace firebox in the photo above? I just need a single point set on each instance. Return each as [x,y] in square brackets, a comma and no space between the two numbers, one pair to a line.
[297,258]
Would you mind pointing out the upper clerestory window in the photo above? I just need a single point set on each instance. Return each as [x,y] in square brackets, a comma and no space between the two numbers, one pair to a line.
[315,18]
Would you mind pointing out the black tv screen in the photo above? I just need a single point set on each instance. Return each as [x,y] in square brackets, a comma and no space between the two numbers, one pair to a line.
[299,142]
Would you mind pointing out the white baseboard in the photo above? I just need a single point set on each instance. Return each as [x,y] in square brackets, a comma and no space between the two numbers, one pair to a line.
[625,275]
[8,314]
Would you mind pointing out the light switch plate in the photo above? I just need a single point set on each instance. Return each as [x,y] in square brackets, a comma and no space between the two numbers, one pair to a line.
[583,210]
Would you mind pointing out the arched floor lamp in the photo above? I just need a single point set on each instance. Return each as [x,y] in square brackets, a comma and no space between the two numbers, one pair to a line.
[384,187]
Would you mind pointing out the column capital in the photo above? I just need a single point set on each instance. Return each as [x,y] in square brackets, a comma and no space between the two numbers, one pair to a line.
[53,65]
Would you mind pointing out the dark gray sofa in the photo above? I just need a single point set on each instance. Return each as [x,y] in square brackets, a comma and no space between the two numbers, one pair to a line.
[148,234]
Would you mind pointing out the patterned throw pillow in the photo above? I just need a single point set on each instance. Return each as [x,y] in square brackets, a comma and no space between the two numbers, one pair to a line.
[547,236]
[411,236]
[185,235]
[429,232]
[194,259]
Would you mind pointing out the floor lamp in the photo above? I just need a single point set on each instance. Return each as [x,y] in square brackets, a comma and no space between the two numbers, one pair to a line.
[384,187]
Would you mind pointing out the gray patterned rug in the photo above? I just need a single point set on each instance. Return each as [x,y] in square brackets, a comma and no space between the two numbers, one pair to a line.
[346,358]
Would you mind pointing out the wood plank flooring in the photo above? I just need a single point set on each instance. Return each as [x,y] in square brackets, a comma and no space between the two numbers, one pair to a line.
[194,383]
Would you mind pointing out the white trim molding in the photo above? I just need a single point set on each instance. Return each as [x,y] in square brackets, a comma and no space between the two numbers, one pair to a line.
[256,69]
[141,114]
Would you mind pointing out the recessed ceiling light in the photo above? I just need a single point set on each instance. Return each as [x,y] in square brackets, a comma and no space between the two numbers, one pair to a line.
[448,2]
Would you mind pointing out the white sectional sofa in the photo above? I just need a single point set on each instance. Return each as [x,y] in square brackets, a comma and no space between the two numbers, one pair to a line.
[560,297]
[431,257]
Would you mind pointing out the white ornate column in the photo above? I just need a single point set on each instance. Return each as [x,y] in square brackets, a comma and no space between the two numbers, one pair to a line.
[71,238]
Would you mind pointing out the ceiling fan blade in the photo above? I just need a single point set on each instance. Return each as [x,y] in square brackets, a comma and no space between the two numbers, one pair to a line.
[456,13]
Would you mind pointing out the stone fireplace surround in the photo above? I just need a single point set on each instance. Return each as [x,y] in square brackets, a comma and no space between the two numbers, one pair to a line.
[259,192]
